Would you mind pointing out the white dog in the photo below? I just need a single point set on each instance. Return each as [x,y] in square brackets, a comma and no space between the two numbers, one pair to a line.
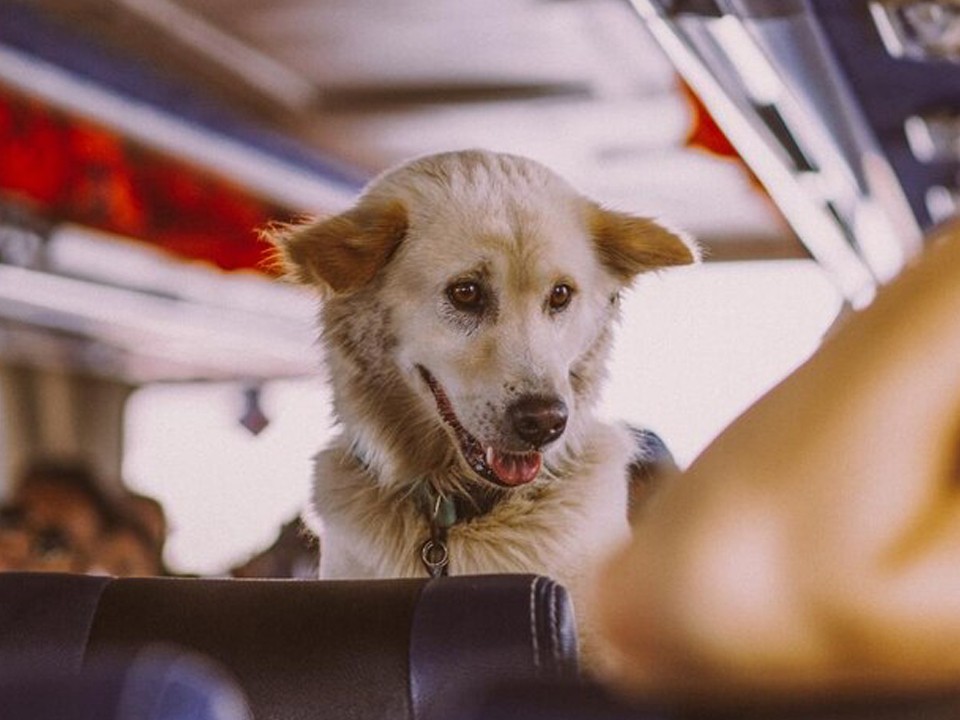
[468,304]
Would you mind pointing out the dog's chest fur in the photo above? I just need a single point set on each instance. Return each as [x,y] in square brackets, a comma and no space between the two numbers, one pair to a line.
[555,528]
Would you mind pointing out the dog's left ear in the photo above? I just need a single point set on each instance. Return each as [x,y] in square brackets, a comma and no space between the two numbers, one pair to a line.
[629,245]
[343,253]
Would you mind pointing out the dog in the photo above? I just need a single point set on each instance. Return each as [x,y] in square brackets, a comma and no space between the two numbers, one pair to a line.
[468,303]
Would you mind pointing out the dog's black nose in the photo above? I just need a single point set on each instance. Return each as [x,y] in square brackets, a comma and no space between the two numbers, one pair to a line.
[538,420]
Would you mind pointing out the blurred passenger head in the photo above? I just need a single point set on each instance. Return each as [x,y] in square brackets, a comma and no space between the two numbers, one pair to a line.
[53,519]
[60,519]
[126,551]
[151,516]
[132,543]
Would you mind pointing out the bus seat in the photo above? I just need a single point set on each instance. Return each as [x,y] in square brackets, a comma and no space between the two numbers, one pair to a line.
[412,648]
[155,684]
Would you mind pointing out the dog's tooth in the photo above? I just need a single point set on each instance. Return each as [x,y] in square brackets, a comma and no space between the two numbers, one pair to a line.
[489,455]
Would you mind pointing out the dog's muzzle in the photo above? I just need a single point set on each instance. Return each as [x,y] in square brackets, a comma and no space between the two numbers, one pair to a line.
[536,420]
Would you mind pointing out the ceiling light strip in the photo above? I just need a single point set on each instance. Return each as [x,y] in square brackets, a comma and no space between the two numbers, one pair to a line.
[137,320]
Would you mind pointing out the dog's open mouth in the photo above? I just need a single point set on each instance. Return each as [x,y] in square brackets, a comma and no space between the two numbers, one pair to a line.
[500,467]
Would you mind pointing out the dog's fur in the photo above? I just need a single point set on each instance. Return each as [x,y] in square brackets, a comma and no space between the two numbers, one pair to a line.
[404,358]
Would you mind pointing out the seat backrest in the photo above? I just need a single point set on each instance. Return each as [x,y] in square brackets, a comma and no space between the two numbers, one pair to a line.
[333,649]
[155,684]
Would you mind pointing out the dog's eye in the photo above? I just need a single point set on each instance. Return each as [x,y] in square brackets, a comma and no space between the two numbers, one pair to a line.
[560,296]
[466,295]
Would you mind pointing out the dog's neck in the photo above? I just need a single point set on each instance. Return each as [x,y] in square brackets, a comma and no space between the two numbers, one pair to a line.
[451,507]
[442,512]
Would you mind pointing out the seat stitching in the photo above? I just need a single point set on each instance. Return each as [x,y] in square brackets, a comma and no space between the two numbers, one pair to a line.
[555,626]
[533,623]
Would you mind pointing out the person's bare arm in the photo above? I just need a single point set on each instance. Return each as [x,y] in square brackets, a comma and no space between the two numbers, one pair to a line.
[816,542]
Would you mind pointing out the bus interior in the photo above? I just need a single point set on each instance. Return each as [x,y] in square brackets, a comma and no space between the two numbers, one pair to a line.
[809,146]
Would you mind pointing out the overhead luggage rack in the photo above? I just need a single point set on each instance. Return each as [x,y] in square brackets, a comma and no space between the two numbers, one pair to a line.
[811,97]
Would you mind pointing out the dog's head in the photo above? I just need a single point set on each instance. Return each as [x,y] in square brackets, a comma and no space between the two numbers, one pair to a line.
[495,287]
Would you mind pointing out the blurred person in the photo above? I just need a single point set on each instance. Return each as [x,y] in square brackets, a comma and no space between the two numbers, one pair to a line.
[53,519]
[127,548]
[15,539]
[814,546]
[132,543]
[151,516]
[60,519]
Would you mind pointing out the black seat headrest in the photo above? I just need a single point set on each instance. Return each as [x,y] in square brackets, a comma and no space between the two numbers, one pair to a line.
[352,649]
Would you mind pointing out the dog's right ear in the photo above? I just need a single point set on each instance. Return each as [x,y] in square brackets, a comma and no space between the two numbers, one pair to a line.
[342,253]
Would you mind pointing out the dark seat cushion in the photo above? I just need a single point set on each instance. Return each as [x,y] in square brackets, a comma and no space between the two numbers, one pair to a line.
[155,684]
[308,649]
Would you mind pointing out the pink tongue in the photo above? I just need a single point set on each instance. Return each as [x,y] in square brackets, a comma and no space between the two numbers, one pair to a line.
[515,468]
